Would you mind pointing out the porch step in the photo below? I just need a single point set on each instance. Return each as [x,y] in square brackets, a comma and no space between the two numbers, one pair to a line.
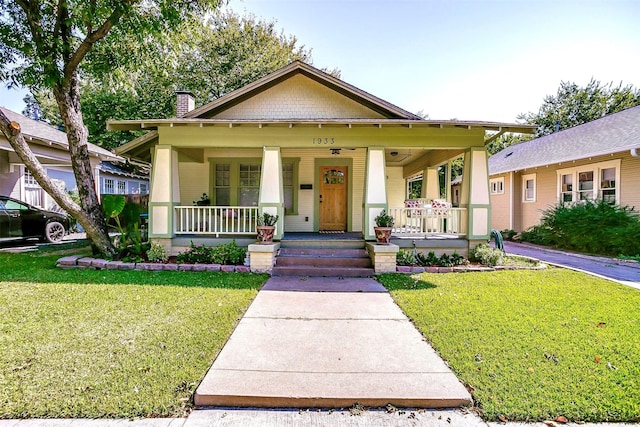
[323,243]
[326,260]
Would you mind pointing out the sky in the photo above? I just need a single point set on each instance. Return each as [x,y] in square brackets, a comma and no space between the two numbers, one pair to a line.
[486,60]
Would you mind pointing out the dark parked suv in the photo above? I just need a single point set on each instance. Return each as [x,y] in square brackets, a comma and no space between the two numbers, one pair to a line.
[19,220]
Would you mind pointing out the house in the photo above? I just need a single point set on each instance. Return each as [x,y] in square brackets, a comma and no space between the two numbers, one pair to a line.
[122,178]
[51,148]
[322,154]
[599,159]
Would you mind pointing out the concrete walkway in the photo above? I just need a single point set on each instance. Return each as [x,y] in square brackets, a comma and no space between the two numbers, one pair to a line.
[342,343]
[623,272]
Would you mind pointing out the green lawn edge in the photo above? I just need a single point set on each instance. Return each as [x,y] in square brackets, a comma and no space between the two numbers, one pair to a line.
[110,344]
[532,345]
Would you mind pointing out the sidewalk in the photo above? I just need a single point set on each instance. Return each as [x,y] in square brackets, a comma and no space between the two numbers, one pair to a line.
[343,343]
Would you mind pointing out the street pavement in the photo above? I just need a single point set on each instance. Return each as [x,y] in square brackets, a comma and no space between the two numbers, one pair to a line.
[620,271]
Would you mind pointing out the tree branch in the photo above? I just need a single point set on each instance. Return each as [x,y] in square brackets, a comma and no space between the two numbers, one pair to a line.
[13,133]
[85,46]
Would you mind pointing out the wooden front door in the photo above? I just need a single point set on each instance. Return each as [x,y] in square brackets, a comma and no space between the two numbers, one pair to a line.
[333,198]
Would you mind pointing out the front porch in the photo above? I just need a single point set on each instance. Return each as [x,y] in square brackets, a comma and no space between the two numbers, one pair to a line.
[242,221]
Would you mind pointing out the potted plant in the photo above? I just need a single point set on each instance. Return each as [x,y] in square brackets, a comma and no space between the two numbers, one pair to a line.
[204,200]
[384,225]
[266,227]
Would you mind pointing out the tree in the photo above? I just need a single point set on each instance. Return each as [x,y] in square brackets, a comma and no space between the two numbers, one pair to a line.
[573,105]
[43,45]
[209,57]
[505,140]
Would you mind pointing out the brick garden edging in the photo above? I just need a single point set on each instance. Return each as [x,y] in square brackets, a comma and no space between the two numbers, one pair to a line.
[463,269]
[83,262]
[77,261]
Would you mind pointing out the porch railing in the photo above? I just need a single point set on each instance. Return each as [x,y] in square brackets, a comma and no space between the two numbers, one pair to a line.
[428,221]
[215,220]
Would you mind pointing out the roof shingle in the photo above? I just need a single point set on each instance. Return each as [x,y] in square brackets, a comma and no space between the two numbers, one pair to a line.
[610,134]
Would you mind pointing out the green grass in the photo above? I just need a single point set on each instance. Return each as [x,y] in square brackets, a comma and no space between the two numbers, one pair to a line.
[87,343]
[533,345]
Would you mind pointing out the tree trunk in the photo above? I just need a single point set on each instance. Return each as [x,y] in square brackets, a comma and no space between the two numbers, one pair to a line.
[92,216]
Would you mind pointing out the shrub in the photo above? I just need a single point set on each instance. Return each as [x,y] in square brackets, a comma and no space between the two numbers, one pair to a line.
[404,257]
[195,255]
[591,226]
[157,253]
[229,254]
[507,234]
[485,254]
[428,260]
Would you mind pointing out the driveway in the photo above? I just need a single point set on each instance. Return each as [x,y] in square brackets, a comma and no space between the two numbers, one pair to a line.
[624,272]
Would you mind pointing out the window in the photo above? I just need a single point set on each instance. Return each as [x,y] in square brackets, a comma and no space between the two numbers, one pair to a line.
[143,188]
[497,185]
[590,181]
[585,185]
[608,185]
[29,180]
[122,187]
[109,186]
[566,191]
[222,185]
[236,182]
[529,187]
[249,184]
[288,186]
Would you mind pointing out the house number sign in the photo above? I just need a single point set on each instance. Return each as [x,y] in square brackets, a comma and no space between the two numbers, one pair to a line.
[323,141]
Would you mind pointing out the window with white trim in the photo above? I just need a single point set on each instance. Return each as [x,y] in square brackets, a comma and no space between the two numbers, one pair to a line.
[587,182]
[143,188]
[529,187]
[497,185]
[109,186]
[122,187]
[29,179]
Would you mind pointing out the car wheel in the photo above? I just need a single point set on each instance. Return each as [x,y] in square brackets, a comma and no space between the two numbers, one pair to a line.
[54,232]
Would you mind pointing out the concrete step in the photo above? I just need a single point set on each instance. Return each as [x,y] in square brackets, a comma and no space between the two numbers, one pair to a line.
[323,243]
[312,271]
[319,261]
[324,253]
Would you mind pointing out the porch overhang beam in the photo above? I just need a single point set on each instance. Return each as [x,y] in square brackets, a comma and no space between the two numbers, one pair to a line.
[495,136]
[154,124]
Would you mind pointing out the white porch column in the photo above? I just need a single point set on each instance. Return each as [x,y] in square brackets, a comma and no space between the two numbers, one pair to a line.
[96,181]
[475,195]
[271,199]
[430,184]
[164,192]
[375,190]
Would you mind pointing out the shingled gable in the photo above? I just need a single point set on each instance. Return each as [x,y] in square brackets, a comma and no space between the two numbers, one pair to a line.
[378,108]
[610,134]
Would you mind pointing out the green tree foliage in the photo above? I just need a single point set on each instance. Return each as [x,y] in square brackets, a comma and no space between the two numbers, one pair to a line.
[574,105]
[505,140]
[48,45]
[208,57]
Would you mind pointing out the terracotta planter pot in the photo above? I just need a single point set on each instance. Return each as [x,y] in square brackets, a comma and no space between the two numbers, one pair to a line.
[383,235]
[265,233]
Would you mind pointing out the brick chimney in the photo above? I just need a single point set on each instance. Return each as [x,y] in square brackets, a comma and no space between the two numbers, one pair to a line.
[185,102]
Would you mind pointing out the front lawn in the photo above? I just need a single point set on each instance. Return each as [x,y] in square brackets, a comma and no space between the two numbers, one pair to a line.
[533,345]
[87,343]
